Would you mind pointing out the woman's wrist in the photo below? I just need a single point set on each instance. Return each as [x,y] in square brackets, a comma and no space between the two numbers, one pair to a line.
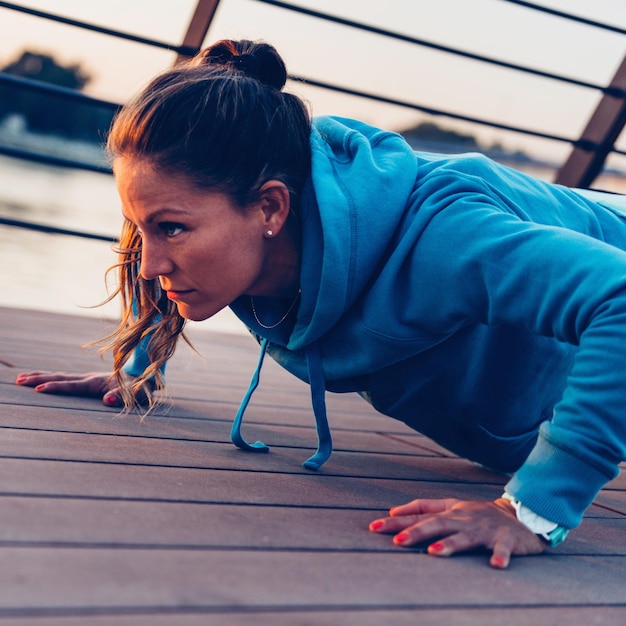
[547,530]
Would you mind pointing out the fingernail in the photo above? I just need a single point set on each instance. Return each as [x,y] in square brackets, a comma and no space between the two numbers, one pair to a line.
[402,537]
[497,561]
[438,546]
[377,524]
[41,387]
[110,399]
[20,379]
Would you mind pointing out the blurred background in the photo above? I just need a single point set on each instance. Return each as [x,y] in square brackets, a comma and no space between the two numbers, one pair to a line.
[423,63]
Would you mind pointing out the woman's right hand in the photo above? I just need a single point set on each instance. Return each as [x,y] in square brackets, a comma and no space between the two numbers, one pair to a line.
[92,385]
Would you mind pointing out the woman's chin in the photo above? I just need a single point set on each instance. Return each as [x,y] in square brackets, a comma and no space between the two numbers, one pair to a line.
[191,317]
[194,314]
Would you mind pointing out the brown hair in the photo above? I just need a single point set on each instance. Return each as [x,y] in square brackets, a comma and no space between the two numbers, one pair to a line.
[222,122]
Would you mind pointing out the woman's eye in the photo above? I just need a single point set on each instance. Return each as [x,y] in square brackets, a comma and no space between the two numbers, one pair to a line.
[171,229]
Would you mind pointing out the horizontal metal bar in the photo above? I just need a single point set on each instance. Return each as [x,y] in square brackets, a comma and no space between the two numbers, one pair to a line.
[40,86]
[53,230]
[441,48]
[48,159]
[585,145]
[99,29]
[569,16]
[438,112]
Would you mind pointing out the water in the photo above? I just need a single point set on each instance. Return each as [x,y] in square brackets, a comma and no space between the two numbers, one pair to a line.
[61,273]
[66,274]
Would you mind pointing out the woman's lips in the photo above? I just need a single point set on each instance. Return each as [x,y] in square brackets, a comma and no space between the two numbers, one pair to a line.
[174,294]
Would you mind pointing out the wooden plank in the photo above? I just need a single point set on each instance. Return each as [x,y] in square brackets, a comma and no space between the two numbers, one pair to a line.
[93,523]
[227,579]
[209,430]
[151,482]
[90,523]
[130,451]
[213,406]
[351,616]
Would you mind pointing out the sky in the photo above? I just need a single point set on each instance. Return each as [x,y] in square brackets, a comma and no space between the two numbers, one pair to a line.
[333,53]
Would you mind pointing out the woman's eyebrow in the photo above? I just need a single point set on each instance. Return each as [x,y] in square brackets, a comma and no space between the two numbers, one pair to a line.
[158,214]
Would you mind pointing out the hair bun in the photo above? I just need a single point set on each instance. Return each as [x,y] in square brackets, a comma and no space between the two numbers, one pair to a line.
[257,60]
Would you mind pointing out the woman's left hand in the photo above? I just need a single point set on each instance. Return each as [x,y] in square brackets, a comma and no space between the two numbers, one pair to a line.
[459,525]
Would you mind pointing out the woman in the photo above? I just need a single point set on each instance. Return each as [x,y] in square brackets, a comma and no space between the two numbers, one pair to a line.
[484,308]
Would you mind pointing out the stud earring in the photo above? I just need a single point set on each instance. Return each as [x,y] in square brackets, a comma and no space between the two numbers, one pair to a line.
[269,232]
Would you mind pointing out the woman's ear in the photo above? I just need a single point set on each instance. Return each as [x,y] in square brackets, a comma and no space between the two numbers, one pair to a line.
[275,204]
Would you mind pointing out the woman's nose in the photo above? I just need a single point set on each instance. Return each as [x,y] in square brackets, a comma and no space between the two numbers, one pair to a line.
[154,261]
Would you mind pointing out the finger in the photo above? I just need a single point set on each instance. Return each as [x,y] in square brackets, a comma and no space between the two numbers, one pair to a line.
[392,524]
[113,398]
[91,387]
[70,388]
[423,506]
[29,378]
[425,530]
[457,542]
[500,560]
[32,379]
[502,550]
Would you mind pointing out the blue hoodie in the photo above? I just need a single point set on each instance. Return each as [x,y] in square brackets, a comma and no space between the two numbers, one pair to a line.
[482,307]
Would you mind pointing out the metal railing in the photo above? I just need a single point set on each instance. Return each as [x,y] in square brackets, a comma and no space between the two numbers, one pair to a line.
[589,151]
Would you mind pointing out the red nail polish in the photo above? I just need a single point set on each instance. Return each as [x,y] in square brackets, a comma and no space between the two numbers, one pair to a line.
[402,537]
[377,525]
[110,399]
[498,561]
[437,546]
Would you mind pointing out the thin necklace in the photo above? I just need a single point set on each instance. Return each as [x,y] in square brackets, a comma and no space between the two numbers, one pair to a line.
[281,320]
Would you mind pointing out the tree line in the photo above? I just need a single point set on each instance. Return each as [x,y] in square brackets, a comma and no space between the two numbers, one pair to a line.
[55,115]
[48,113]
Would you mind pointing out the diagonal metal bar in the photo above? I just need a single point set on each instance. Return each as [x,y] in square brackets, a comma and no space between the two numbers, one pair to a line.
[198,27]
[604,127]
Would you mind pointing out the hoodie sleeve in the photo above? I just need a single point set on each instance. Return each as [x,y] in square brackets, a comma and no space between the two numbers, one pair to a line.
[479,263]
[139,359]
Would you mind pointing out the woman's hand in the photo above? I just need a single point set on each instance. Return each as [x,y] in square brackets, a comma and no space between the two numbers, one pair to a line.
[459,525]
[93,385]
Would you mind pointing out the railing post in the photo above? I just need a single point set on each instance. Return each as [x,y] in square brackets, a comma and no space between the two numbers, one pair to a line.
[198,26]
[603,129]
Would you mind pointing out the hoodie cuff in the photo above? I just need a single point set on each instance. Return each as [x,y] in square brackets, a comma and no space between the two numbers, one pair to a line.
[556,484]
[139,360]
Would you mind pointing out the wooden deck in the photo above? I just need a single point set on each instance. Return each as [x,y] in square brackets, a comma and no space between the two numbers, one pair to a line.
[105,520]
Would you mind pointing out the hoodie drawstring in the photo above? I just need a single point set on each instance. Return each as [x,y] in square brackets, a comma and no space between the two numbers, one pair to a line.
[318,390]
[235,432]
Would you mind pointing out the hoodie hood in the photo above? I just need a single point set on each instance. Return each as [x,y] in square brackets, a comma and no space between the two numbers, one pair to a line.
[363,179]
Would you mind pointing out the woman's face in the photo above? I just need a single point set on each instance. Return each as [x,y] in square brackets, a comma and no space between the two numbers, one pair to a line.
[204,250]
